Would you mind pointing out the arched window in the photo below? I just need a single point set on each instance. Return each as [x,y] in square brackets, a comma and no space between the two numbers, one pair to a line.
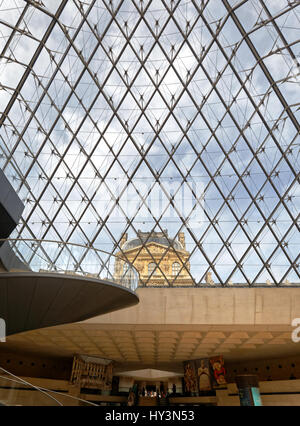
[152,268]
[175,268]
[128,272]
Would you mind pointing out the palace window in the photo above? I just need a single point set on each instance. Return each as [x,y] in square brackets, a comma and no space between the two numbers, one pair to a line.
[128,273]
[175,268]
[152,269]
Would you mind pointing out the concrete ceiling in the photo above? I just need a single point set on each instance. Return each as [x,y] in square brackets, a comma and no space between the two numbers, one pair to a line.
[163,329]
[156,346]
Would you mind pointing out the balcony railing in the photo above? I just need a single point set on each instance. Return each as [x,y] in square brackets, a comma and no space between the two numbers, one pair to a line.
[72,259]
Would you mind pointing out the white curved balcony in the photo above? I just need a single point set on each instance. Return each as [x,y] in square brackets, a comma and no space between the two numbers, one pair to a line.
[46,283]
[73,259]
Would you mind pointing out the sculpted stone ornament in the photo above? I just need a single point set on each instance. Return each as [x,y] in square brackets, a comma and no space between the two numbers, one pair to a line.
[139,266]
[208,278]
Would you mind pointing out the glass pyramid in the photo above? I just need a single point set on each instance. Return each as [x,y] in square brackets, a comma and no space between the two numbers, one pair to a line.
[128,115]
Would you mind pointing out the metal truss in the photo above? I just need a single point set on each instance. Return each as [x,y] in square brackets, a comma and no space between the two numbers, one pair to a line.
[123,115]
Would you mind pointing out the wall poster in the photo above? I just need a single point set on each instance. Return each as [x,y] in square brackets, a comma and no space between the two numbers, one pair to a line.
[204,375]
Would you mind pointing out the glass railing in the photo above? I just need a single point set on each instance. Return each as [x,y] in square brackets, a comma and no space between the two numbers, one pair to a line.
[47,256]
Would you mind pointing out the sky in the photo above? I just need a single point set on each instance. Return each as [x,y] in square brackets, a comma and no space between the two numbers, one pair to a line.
[154,115]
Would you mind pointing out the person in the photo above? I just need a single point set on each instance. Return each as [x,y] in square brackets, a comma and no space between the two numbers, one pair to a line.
[131,399]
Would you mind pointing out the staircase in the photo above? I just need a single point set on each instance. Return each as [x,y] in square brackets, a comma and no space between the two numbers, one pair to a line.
[145,401]
[163,401]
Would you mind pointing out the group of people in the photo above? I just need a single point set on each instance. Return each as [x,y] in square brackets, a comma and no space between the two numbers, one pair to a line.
[153,393]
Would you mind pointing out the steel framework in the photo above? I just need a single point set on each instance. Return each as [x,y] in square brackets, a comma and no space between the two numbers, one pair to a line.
[162,114]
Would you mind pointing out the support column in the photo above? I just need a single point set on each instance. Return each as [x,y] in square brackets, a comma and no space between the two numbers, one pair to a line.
[248,390]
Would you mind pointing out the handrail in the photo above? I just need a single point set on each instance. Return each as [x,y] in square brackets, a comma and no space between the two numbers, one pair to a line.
[63,257]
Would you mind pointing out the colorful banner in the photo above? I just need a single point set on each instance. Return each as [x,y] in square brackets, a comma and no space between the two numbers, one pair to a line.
[218,371]
[190,377]
[203,375]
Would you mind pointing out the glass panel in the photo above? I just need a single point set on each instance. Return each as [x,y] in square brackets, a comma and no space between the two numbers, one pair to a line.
[156,117]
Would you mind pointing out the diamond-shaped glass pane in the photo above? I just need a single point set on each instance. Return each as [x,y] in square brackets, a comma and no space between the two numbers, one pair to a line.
[167,127]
